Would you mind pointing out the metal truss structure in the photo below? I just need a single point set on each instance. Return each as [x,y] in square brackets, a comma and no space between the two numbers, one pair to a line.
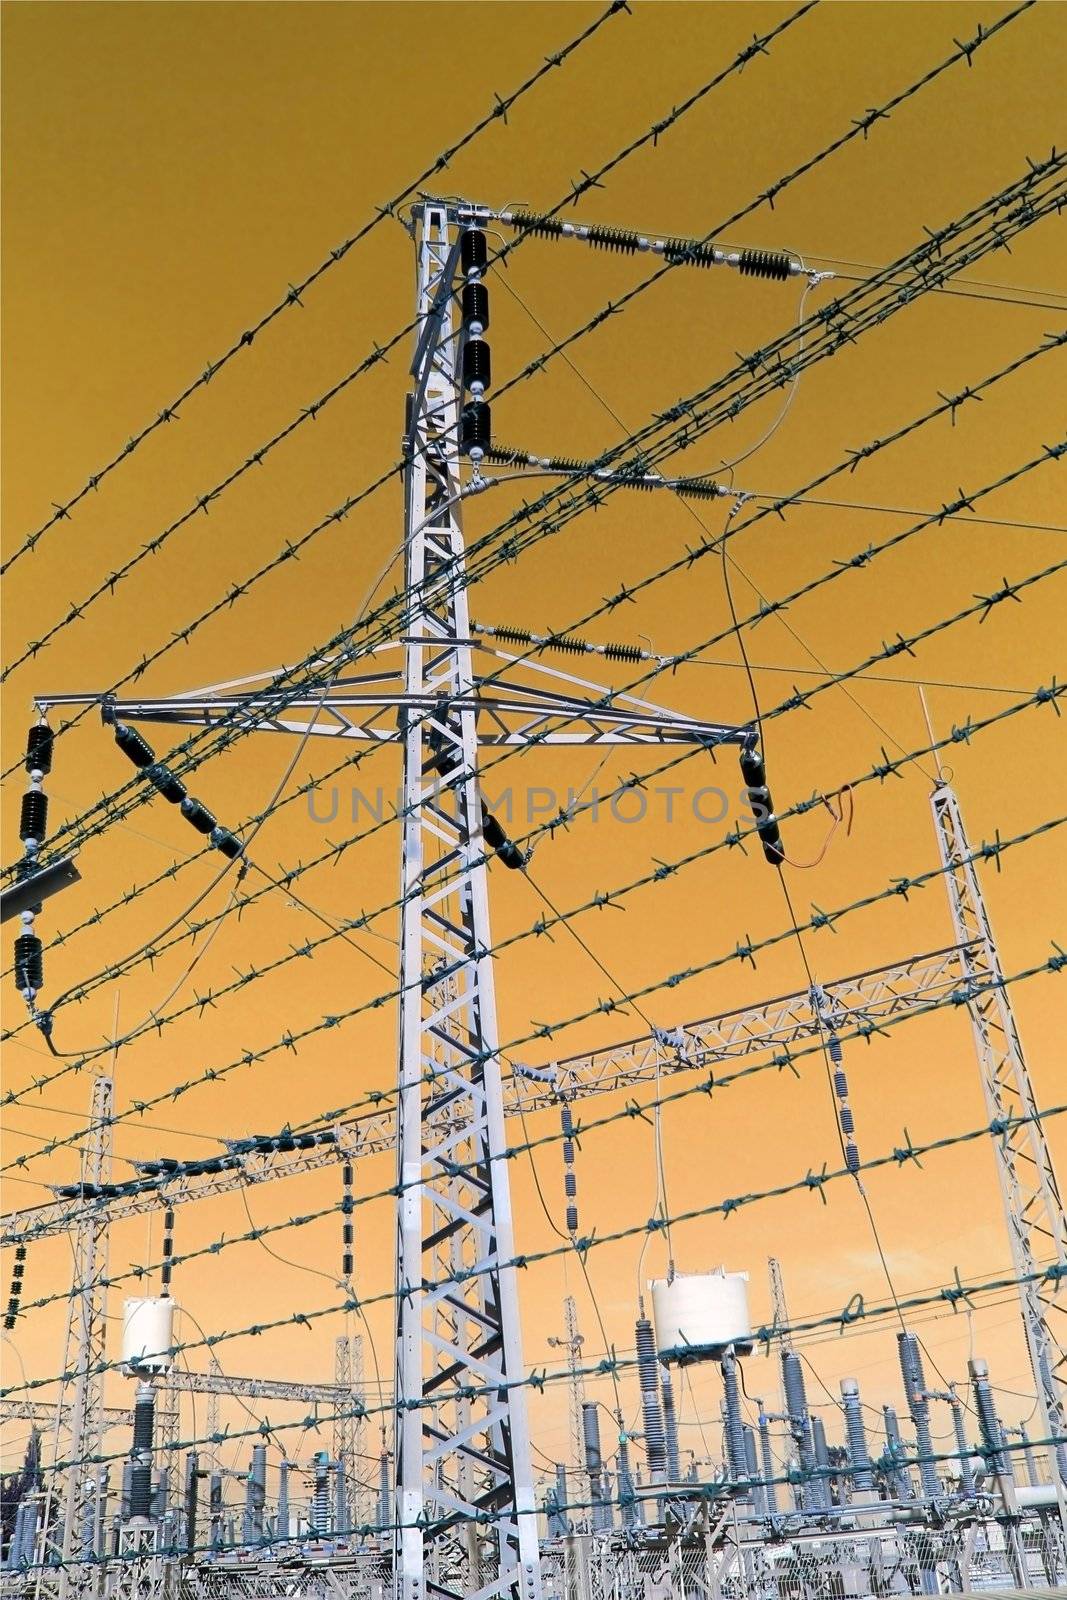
[1033,1209]
[80,1440]
[862,1001]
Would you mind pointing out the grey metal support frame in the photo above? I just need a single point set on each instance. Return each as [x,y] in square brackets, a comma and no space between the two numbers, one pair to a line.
[1033,1209]
[79,1576]
[462,1444]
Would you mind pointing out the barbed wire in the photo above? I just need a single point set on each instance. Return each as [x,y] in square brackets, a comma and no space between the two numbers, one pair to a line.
[948,405]
[510,548]
[982,606]
[592,180]
[743,952]
[811,1182]
[689,1493]
[499,112]
[310,412]
[713,1084]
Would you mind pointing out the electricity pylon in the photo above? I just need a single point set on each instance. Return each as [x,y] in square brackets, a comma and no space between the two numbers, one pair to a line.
[1033,1210]
[78,1576]
[465,1519]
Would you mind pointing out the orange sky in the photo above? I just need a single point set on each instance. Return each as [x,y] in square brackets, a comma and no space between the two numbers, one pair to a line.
[169,169]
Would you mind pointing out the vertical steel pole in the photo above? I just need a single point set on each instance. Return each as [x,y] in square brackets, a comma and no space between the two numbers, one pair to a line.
[461,1409]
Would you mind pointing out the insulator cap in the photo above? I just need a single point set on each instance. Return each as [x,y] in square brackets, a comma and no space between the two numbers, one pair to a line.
[34,818]
[765,264]
[475,302]
[477,365]
[29,962]
[226,842]
[197,814]
[39,744]
[511,855]
[473,253]
[475,427]
[132,744]
[492,832]
[162,778]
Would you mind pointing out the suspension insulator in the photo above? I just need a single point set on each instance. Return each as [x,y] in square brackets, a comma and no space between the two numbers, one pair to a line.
[493,833]
[347,1233]
[840,1085]
[688,252]
[346,1174]
[132,744]
[227,843]
[848,1121]
[475,302]
[572,1219]
[527,222]
[836,1052]
[753,770]
[34,818]
[39,744]
[622,240]
[347,1266]
[473,253]
[697,489]
[29,963]
[566,1118]
[765,264]
[852,1157]
[475,427]
[568,1151]
[162,778]
[477,366]
[198,815]
[510,854]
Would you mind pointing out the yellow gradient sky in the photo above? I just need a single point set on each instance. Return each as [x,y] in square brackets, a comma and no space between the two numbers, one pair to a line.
[169,170]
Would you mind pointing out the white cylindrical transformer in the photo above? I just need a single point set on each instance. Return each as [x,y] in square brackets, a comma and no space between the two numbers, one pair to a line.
[700,1314]
[148,1333]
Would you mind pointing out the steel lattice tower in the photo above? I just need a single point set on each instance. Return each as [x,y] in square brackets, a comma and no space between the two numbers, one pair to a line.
[461,1413]
[88,1296]
[1037,1229]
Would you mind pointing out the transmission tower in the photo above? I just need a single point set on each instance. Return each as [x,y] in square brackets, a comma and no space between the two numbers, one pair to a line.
[465,1519]
[1037,1229]
[572,1342]
[78,1576]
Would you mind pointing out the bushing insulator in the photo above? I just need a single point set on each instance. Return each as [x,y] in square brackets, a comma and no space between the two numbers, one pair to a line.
[132,744]
[162,778]
[29,962]
[39,748]
[34,818]
[197,814]
[477,365]
[475,430]
[473,252]
[475,302]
